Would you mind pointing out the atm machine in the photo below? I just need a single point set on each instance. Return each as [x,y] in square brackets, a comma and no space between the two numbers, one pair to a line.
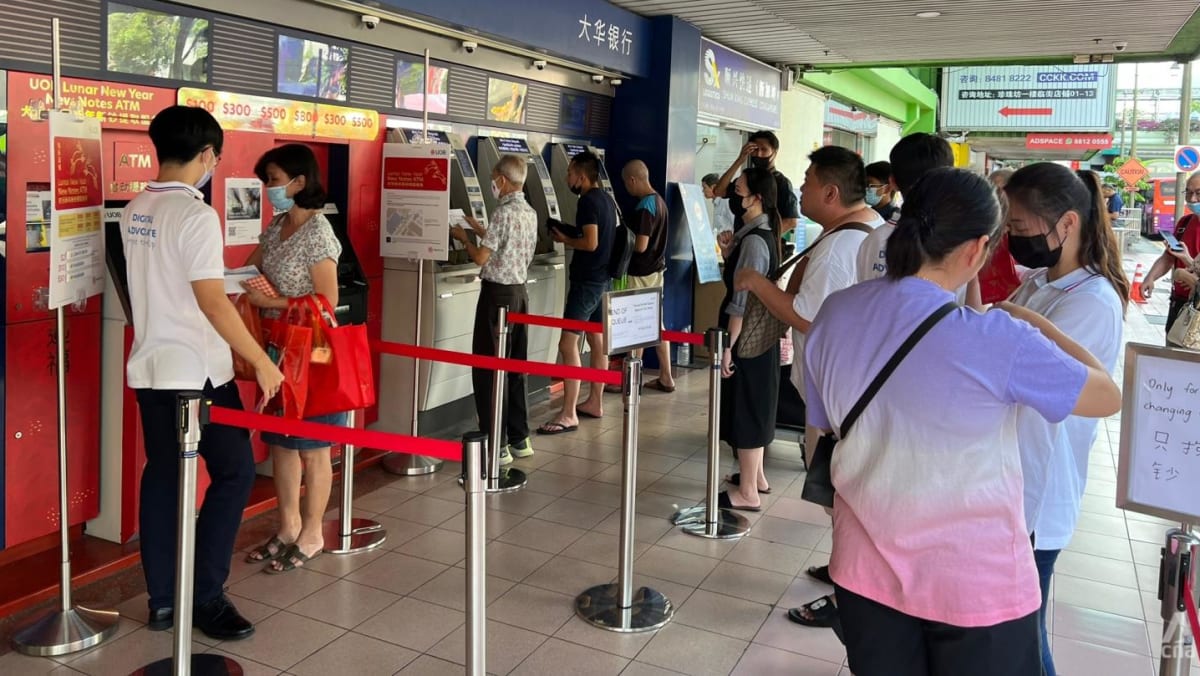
[547,281]
[449,294]
[560,157]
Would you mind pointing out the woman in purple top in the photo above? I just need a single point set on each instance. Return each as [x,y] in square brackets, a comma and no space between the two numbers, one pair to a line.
[931,561]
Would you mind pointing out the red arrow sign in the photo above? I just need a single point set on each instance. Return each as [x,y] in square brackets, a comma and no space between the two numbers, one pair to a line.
[1007,112]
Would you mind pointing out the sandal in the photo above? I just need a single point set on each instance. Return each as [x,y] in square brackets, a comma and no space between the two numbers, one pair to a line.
[822,613]
[292,559]
[820,574]
[556,428]
[657,384]
[268,552]
[723,502]
[735,479]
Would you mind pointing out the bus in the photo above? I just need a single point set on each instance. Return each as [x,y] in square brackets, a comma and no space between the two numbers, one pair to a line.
[1158,212]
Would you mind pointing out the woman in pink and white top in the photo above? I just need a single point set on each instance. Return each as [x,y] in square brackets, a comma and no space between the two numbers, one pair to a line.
[932,563]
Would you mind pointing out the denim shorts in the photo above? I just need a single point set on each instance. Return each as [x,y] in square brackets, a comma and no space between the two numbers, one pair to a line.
[585,301]
[301,444]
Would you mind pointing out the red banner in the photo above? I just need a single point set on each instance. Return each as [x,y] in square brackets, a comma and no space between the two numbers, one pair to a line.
[1069,141]
[415,173]
[116,105]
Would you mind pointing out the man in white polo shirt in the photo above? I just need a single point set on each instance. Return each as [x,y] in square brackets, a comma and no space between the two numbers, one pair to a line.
[183,327]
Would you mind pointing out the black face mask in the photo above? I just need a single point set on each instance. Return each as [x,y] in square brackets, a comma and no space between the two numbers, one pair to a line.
[760,162]
[578,190]
[1034,252]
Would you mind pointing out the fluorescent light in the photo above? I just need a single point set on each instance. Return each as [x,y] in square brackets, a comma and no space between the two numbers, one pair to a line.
[928,15]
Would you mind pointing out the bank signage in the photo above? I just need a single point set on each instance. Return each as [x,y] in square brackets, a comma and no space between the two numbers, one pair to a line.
[1075,98]
[736,88]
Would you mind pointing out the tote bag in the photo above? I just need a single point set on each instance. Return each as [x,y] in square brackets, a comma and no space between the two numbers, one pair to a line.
[345,381]
[289,344]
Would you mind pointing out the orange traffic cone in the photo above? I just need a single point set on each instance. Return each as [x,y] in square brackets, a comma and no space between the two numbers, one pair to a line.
[1135,291]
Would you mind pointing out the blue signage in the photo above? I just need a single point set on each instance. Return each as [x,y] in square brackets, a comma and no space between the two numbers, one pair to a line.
[588,31]
[704,242]
[736,88]
[1187,158]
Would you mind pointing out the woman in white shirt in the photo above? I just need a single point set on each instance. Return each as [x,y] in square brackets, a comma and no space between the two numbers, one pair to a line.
[1059,227]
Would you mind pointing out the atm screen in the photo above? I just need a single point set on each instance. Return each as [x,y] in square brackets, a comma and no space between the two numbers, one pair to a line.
[417,136]
[511,145]
[574,149]
[464,161]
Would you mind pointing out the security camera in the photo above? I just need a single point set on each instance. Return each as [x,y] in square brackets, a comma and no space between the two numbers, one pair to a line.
[370,21]
[598,79]
[539,64]
[1120,45]
[616,82]
[469,46]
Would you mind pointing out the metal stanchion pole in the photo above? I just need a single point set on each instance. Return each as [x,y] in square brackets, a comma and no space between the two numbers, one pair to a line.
[407,464]
[473,465]
[617,606]
[346,534]
[67,629]
[500,479]
[716,523]
[1179,558]
[191,417]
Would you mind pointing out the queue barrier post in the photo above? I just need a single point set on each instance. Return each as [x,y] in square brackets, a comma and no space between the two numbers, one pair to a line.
[617,606]
[476,572]
[191,417]
[346,534]
[713,522]
[500,479]
[1177,574]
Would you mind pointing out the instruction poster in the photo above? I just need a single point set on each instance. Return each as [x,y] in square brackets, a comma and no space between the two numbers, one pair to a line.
[704,243]
[416,201]
[243,211]
[76,239]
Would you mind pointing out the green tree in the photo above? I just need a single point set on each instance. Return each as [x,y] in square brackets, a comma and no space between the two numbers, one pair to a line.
[155,44]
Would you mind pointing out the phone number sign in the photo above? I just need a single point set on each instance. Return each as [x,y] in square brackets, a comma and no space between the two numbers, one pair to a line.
[245,112]
[1075,98]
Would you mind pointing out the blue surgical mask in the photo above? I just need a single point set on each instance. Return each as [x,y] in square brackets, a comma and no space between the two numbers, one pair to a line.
[1195,207]
[277,194]
[873,197]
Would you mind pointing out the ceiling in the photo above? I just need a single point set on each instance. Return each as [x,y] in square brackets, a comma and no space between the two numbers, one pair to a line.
[883,32]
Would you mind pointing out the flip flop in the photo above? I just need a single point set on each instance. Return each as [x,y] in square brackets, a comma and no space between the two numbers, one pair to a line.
[820,574]
[724,502]
[586,414]
[268,552]
[657,384]
[823,613]
[551,428]
[735,479]
[292,559]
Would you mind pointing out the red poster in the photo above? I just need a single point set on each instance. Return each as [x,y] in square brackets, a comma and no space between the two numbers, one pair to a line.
[77,182]
[116,105]
[416,173]
[1069,141]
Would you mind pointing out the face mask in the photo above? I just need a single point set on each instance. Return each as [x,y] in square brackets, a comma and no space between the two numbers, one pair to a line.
[747,202]
[278,197]
[208,174]
[1033,252]
[873,197]
[1195,207]
[760,162]
[577,189]
[495,189]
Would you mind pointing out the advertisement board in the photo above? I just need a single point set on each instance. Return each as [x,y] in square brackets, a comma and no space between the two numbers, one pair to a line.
[736,88]
[1029,98]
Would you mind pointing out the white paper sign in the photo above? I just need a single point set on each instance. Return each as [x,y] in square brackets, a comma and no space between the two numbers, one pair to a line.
[1159,468]
[632,319]
[77,187]
[243,211]
[416,201]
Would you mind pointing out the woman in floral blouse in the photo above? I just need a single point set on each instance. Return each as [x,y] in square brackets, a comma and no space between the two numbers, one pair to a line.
[298,253]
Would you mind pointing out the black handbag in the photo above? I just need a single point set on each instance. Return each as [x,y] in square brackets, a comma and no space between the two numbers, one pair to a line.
[818,484]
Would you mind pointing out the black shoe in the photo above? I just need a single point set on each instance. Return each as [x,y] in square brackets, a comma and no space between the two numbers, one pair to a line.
[161,619]
[220,620]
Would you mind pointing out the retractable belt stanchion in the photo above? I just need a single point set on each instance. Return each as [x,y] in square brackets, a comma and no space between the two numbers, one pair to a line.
[191,417]
[346,534]
[618,607]
[473,465]
[1177,574]
[500,479]
[711,521]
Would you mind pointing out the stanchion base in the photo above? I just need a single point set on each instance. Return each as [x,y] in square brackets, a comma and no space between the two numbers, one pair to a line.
[689,515]
[729,526]
[202,665]
[61,633]
[364,534]
[406,464]
[511,479]
[600,606]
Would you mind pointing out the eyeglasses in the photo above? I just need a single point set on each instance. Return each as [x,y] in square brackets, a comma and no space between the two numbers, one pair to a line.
[876,186]
[1192,195]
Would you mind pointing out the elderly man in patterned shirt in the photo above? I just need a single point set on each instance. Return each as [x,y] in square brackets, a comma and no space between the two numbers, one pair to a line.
[504,252]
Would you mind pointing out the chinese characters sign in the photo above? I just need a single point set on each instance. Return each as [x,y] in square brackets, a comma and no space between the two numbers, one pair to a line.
[1029,98]
[245,112]
[736,88]
[115,105]
[416,201]
[77,187]
[615,37]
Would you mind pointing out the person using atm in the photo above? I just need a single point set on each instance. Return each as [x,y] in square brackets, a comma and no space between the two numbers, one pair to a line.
[504,252]
[592,239]
[183,328]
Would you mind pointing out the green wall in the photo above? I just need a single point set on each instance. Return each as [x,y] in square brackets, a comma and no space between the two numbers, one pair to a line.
[892,92]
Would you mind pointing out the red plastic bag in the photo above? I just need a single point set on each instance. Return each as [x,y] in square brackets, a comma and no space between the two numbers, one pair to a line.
[289,343]
[242,369]
[345,382]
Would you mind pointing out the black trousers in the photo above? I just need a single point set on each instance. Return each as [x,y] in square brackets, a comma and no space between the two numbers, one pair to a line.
[516,409]
[881,641]
[229,461]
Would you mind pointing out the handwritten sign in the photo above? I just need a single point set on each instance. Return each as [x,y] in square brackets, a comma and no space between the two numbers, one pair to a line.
[632,319]
[1159,464]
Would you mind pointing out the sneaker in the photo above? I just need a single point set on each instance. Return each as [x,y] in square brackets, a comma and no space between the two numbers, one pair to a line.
[505,457]
[521,449]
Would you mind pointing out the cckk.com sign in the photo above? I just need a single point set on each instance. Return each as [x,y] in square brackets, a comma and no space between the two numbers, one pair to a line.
[736,88]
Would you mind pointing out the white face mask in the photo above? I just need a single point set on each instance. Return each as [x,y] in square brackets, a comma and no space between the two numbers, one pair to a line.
[495,189]
[208,174]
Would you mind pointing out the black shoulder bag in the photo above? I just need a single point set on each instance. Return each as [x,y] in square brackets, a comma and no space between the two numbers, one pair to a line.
[818,485]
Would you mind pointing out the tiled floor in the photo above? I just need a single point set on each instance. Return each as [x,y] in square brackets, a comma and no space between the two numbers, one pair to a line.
[400,609]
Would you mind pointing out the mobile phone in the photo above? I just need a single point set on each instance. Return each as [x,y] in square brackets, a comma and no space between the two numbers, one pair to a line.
[1172,243]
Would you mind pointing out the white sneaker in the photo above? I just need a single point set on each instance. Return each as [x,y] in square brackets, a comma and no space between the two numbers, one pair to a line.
[521,449]
[505,457]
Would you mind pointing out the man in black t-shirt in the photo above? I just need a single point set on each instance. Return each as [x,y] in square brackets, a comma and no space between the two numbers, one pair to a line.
[592,240]
[761,152]
[649,260]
